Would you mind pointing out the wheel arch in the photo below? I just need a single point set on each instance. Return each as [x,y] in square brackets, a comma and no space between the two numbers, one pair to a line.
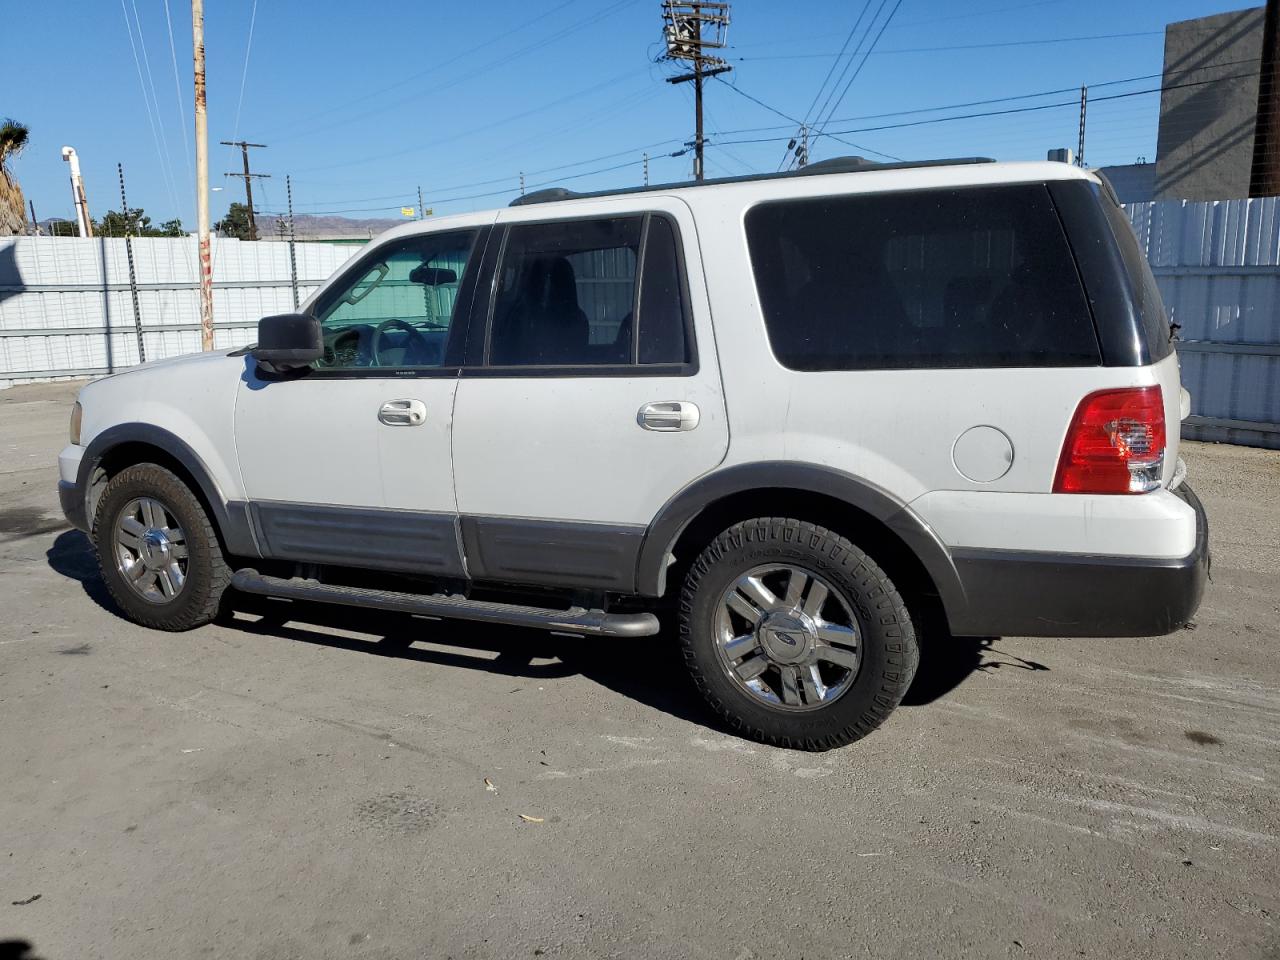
[127,444]
[897,538]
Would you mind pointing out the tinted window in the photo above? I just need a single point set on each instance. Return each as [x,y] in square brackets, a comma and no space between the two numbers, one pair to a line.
[977,277]
[566,293]
[396,307]
[663,316]
[583,293]
[1146,295]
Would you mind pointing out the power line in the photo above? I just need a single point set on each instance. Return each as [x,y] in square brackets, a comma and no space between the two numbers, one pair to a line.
[960,46]
[460,78]
[738,90]
[801,132]
[871,49]
[177,90]
[152,118]
[836,61]
[1012,110]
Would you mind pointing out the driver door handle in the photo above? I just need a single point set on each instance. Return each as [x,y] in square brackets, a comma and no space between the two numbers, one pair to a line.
[403,413]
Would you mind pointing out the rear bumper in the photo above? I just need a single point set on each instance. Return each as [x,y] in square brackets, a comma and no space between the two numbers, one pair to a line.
[1027,594]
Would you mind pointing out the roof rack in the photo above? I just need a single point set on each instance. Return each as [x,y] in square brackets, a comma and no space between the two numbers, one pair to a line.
[832,165]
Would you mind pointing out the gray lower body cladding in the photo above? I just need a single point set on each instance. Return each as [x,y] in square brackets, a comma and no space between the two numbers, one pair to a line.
[1023,594]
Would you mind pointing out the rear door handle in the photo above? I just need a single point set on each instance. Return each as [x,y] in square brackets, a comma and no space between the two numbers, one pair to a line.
[668,416]
[403,413]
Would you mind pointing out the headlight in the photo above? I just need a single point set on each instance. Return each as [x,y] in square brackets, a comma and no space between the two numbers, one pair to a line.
[76,413]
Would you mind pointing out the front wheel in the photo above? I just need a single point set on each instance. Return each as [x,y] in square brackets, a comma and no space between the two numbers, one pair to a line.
[794,635]
[159,554]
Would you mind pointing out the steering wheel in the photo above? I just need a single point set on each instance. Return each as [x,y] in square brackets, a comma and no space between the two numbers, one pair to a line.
[416,339]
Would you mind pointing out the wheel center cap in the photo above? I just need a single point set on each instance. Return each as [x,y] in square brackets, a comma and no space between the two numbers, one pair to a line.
[787,637]
[154,547]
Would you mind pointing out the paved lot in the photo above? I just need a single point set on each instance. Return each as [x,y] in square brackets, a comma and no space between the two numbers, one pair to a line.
[300,782]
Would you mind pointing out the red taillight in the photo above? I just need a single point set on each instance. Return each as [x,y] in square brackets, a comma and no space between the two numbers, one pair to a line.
[1115,443]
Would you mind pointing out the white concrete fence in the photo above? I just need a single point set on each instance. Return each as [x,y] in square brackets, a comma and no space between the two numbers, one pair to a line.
[66,307]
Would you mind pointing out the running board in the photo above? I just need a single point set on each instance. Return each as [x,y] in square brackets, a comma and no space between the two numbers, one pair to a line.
[578,620]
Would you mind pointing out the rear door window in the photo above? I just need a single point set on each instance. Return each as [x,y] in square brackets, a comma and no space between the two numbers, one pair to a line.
[599,292]
[969,277]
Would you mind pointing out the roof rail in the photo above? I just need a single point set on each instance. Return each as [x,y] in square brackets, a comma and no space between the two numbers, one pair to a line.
[832,165]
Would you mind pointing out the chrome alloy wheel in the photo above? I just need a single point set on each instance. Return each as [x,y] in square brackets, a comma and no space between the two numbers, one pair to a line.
[787,637]
[150,550]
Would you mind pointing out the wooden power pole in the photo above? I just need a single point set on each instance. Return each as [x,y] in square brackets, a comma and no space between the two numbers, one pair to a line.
[202,178]
[689,30]
[1264,177]
[248,179]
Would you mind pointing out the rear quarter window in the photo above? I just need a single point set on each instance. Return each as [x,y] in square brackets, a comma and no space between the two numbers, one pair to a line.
[969,277]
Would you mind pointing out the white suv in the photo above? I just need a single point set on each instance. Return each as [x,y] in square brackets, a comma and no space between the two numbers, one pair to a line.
[803,414]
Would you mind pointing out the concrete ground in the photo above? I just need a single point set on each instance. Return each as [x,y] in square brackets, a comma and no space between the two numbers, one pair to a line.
[304,782]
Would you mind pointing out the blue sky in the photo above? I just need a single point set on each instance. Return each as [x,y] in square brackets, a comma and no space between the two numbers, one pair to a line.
[362,103]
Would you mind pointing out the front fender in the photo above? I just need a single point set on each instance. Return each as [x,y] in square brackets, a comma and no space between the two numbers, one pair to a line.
[231,519]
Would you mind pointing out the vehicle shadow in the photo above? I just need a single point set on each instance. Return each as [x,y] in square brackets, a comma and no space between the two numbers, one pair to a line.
[17,950]
[649,671]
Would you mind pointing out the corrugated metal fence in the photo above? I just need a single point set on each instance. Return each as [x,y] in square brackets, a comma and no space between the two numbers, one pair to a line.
[1218,267]
[66,309]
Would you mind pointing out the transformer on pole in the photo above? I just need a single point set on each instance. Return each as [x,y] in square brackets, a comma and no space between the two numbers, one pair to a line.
[689,30]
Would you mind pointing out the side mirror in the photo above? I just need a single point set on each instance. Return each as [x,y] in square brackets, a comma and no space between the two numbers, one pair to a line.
[289,340]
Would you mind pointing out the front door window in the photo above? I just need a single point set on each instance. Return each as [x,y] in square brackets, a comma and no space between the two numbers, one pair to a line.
[396,307]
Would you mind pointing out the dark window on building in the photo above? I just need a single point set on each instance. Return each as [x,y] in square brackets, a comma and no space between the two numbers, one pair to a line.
[568,294]
[971,277]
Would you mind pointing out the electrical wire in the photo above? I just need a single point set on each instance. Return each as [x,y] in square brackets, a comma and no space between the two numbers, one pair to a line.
[152,119]
[870,50]
[849,143]
[963,46]
[177,90]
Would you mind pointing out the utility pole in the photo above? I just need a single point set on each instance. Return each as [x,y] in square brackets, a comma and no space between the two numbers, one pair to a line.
[1084,110]
[689,30]
[202,177]
[248,179]
[1264,177]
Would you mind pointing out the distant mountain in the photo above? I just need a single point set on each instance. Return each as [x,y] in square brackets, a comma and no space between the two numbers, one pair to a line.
[316,228]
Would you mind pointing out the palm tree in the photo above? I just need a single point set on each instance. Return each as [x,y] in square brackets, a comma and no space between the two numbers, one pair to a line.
[13,213]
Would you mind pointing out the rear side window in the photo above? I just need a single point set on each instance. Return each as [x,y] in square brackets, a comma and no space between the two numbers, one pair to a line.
[600,292]
[1147,302]
[973,277]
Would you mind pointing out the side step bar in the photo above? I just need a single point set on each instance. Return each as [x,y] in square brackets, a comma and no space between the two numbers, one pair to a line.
[577,620]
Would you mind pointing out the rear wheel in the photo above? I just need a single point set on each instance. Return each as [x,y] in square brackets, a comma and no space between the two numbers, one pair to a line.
[159,554]
[794,635]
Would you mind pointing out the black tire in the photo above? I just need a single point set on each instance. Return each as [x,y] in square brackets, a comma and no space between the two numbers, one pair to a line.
[889,651]
[207,574]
